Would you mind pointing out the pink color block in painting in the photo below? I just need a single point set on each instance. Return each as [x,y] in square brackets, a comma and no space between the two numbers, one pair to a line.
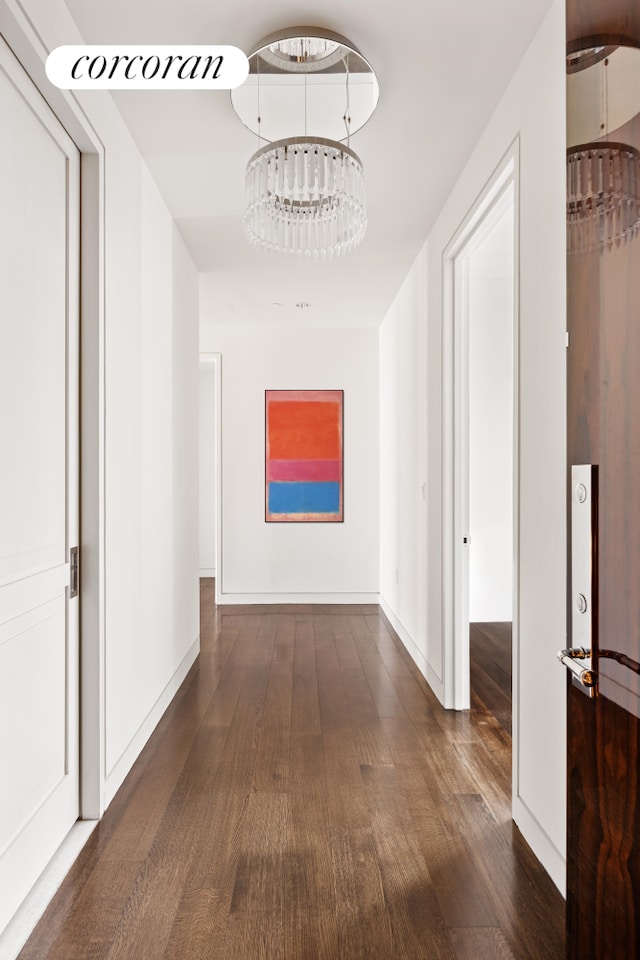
[323,470]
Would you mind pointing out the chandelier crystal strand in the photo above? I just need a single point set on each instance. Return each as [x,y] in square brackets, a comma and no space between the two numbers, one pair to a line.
[302,48]
[603,196]
[305,197]
[302,54]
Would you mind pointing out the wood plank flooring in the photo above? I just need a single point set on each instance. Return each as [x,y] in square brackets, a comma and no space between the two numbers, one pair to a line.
[305,797]
[490,657]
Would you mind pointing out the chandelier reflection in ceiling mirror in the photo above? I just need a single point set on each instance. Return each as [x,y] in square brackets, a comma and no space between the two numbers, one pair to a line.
[603,141]
[307,92]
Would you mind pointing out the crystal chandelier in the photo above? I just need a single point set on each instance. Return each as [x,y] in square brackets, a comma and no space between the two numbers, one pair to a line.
[603,175]
[305,195]
[603,195]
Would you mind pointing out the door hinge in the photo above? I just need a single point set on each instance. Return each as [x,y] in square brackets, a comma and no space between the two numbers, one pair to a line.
[74,573]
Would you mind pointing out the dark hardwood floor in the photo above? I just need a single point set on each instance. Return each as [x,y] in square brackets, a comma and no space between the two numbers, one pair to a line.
[490,657]
[305,797]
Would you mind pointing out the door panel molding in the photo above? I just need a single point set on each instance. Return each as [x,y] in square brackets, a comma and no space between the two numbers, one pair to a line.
[39,631]
[28,46]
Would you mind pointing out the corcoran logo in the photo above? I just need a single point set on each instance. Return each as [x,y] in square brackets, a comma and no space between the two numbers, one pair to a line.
[113,67]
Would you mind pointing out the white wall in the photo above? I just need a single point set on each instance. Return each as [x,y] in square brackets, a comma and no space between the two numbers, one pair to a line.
[185,635]
[491,425]
[533,109]
[305,562]
[207,442]
[404,459]
[151,452]
[150,355]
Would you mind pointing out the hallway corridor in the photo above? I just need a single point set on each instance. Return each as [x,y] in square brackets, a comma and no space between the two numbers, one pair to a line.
[306,797]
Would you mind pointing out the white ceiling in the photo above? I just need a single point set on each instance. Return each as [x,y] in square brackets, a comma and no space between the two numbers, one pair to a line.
[441,67]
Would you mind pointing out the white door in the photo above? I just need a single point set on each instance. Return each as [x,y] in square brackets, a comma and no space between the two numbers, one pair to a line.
[39,467]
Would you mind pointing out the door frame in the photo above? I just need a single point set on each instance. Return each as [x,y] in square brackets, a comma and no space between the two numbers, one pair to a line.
[27,45]
[455,431]
[216,360]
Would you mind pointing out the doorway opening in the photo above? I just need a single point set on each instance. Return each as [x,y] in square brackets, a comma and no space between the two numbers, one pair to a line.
[480,411]
[489,309]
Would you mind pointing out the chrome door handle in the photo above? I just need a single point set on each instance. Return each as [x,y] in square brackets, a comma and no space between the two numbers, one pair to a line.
[577,660]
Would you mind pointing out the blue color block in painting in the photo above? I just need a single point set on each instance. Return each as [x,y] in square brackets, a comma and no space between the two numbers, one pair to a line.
[304,497]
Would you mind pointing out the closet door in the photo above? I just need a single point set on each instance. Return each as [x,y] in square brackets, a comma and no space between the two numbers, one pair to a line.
[39,489]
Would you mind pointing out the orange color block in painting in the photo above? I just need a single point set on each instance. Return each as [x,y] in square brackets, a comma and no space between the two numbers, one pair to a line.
[304,430]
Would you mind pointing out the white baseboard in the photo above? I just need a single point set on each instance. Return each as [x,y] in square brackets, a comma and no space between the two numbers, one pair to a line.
[416,655]
[122,767]
[546,851]
[279,598]
[24,921]
[418,658]
[206,572]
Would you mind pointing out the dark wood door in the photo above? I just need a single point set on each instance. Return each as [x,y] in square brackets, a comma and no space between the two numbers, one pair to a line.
[603,275]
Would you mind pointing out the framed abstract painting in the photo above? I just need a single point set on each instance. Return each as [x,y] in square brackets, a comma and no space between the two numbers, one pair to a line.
[304,456]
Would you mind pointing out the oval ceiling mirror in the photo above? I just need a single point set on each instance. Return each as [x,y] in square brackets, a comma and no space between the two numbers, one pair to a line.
[306,81]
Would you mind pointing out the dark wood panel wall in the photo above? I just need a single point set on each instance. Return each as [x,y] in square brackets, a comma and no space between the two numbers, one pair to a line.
[603,418]
[592,18]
